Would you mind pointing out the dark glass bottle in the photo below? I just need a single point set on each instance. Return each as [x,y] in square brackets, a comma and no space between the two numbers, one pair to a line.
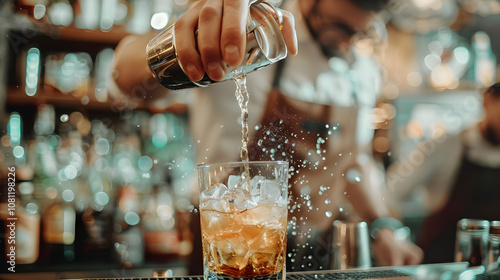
[28,227]
[58,229]
[95,224]
[3,220]
[161,235]
[127,233]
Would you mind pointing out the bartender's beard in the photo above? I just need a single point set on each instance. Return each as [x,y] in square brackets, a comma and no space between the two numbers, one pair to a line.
[328,44]
[491,134]
[331,49]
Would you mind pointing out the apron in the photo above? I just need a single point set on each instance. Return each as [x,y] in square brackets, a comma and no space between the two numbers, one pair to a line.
[319,143]
[475,195]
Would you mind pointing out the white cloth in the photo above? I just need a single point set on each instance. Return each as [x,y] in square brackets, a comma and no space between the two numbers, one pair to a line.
[421,183]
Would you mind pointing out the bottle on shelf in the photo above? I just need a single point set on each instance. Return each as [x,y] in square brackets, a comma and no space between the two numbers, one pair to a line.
[27,226]
[42,153]
[484,60]
[58,225]
[34,8]
[4,246]
[161,235]
[127,233]
[57,228]
[95,221]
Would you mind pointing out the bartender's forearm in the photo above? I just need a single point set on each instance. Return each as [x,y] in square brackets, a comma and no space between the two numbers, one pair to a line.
[367,200]
[366,192]
[131,72]
[389,248]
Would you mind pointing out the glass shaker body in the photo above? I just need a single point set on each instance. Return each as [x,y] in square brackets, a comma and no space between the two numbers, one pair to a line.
[471,241]
[494,244]
[264,45]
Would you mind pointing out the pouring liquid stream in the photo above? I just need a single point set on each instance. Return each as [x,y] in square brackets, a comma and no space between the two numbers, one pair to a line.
[242,97]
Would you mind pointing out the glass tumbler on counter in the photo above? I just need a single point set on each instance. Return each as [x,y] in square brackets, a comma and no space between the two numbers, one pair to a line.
[243,212]
[472,241]
[494,244]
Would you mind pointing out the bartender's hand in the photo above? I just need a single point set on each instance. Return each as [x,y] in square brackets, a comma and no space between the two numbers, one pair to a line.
[221,37]
[389,251]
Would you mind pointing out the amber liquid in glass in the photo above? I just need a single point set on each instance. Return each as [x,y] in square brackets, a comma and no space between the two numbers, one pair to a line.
[245,244]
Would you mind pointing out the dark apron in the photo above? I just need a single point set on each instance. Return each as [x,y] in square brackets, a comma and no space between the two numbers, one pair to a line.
[475,195]
[319,150]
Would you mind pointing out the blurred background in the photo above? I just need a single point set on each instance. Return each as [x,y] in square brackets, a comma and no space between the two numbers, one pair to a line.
[123,171]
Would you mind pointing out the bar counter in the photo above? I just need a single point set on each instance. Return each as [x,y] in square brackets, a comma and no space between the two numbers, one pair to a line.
[448,271]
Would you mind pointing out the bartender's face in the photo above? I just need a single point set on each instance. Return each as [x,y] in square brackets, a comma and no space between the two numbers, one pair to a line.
[334,23]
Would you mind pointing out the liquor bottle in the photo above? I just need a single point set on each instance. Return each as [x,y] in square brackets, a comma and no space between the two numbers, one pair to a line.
[96,221]
[484,60]
[34,8]
[127,233]
[161,236]
[58,226]
[42,156]
[27,226]
[3,220]
[87,14]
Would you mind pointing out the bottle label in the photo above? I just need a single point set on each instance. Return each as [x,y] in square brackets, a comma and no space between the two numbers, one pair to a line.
[59,225]
[27,235]
[162,242]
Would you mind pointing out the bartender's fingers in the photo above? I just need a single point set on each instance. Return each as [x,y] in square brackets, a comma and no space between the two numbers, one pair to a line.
[185,42]
[392,252]
[209,32]
[415,254]
[233,33]
[387,250]
[289,33]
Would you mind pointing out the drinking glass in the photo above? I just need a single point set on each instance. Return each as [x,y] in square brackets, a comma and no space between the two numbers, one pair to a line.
[494,245]
[471,242]
[243,213]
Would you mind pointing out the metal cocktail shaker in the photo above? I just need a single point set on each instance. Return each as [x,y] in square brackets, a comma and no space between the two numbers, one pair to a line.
[351,245]
[265,45]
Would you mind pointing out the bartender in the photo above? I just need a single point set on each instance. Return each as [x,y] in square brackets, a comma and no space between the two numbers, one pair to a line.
[320,126]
